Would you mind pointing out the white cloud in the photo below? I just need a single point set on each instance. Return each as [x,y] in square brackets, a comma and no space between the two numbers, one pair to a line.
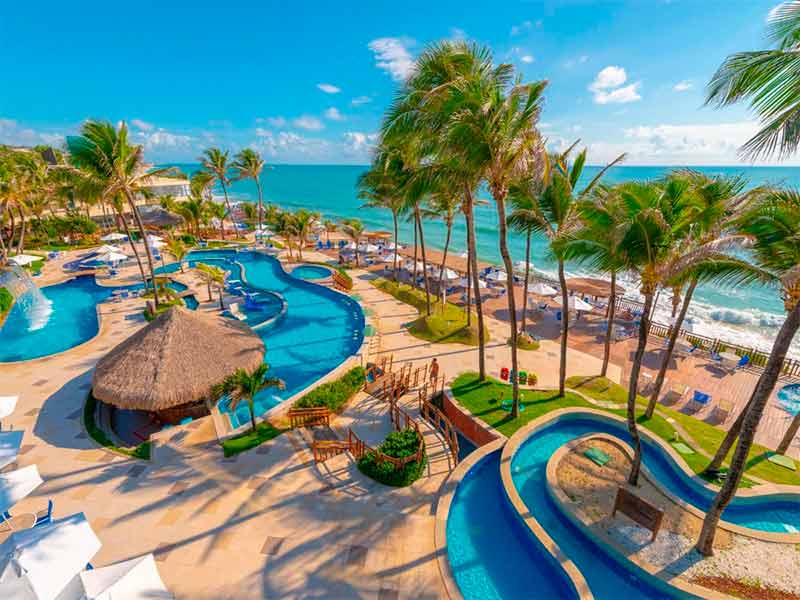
[359,100]
[527,59]
[161,138]
[622,95]
[684,85]
[358,141]
[392,55]
[308,123]
[607,90]
[576,61]
[272,121]
[523,27]
[333,114]
[457,34]
[143,125]
[14,134]
[328,88]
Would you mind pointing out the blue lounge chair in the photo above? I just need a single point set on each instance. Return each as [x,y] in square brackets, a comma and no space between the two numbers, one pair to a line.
[43,517]
[743,362]
[328,245]
[320,246]
[558,315]
[698,401]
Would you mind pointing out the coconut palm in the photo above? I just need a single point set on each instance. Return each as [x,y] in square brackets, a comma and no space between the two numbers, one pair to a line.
[444,203]
[330,227]
[302,225]
[249,164]
[215,276]
[245,385]
[773,225]
[217,211]
[768,80]
[598,243]
[215,162]
[353,229]
[105,154]
[178,250]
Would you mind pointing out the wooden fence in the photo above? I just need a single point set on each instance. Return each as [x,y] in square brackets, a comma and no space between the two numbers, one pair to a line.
[431,413]
[303,417]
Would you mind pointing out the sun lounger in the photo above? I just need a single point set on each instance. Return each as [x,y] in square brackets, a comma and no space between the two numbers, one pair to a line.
[720,413]
[698,402]
[44,516]
[645,383]
[675,394]
[233,308]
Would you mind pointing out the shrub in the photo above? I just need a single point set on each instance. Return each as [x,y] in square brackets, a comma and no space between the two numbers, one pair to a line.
[6,300]
[141,451]
[162,307]
[334,394]
[397,444]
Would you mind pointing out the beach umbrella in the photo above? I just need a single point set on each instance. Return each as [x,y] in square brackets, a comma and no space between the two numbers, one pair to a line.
[449,274]
[520,266]
[157,244]
[16,485]
[542,289]
[111,257]
[388,258]
[349,246]
[497,276]
[24,259]
[409,265]
[152,237]
[464,283]
[7,405]
[10,441]
[114,236]
[577,304]
[107,248]
[134,579]
[464,255]
[393,246]
[368,248]
[40,562]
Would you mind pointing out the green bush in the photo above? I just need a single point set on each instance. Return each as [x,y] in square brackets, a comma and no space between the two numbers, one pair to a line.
[334,394]
[141,451]
[6,301]
[264,432]
[188,239]
[163,306]
[397,444]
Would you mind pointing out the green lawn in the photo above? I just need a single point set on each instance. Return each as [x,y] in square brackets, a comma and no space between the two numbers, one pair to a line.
[442,326]
[707,436]
[264,432]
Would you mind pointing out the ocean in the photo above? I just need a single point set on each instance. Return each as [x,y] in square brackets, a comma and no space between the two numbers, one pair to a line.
[748,315]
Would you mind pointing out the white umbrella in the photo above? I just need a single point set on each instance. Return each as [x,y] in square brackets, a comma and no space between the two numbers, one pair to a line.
[497,276]
[449,274]
[107,248]
[368,248]
[40,562]
[349,246]
[393,246]
[153,238]
[464,255]
[134,579]
[24,259]
[520,265]
[7,405]
[388,258]
[10,441]
[409,265]
[157,244]
[114,236]
[111,257]
[16,485]
[542,289]
[464,283]
[577,304]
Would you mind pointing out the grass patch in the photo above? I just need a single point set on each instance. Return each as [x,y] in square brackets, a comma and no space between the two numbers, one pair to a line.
[707,436]
[444,325]
[264,432]
[142,451]
[525,342]
[163,307]
[334,394]
[397,444]
[6,302]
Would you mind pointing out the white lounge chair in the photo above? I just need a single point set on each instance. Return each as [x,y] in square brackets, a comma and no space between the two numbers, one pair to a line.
[233,308]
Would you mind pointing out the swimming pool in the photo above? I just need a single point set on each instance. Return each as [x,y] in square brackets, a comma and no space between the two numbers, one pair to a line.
[789,398]
[311,272]
[318,331]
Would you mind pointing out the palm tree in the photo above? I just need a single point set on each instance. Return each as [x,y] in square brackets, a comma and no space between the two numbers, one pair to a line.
[330,227]
[249,164]
[768,80]
[105,155]
[302,224]
[178,249]
[772,223]
[443,204]
[353,229]
[215,276]
[217,211]
[598,243]
[245,385]
[716,202]
[215,161]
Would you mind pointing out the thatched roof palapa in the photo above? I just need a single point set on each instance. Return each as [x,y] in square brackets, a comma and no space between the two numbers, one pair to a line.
[176,359]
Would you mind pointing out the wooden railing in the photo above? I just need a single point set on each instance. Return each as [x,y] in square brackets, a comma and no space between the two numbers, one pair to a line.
[303,417]
[325,449]
[431,413]
[342,282]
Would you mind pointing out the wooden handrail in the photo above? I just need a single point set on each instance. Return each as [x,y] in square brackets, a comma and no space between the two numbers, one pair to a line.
[303,417]
[438,419]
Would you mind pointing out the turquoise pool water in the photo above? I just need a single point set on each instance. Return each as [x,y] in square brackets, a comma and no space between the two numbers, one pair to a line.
[789,398]
[311,272]
[319,330]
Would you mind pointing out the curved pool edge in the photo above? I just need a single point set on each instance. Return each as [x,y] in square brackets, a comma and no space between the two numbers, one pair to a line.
[655,574]
[446,494]
[525,432]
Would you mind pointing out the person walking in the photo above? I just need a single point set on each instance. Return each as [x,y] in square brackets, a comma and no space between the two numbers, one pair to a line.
[434,371]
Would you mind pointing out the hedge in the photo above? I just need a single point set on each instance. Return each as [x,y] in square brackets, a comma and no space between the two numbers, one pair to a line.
[397,444]
[141,451]
[6,301]
[334,394]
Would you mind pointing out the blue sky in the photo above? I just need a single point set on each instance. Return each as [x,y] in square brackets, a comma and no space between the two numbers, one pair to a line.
[306,82]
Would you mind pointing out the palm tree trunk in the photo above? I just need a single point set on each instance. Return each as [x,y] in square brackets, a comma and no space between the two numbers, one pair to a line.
[757,403]
[469,284]
[644,330]
[251,404]
[208,285]
[394,219]
[473,265]
[730,437]
[414,273]
[612,309]
[260,201]
[562,369]
[133,247]
[673,337]
[789,435]
[444,261]
[221,302]
[13,228]
[424,261]
[21,243]
[137,217]
[527,276]
[230,212]
[499,201]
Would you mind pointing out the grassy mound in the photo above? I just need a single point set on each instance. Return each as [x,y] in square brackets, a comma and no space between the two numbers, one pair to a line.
[334,394]
[397,444]
[707,436]
[525,342]
[264,432]
[446,324]
[6,302]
